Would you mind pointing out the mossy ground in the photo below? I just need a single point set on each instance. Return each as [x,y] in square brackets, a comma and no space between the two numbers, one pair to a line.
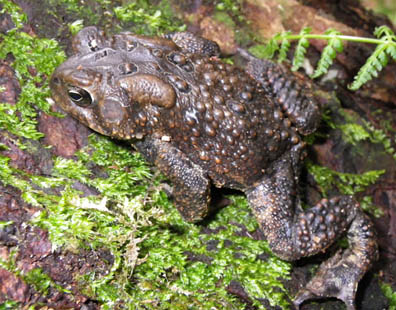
[158,260]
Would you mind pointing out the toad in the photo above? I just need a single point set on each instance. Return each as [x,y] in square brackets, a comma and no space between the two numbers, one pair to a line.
[203,122]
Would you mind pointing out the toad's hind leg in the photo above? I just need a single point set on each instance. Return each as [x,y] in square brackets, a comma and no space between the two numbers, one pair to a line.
[293,233]
[293,94]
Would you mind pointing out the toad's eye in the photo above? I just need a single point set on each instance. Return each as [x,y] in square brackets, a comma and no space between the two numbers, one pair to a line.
[80,97]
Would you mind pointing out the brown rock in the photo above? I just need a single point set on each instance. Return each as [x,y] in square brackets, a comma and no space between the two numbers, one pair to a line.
[13,288]
[217,31]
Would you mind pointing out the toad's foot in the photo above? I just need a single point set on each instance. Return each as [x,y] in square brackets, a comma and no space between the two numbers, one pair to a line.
[332,280]
[339,276]
[293,233]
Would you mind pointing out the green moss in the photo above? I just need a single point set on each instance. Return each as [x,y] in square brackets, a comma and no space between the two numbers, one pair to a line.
[382,137]
[223,17]
[11,121]
[141,228]
[232,7]
[5,224]
[41,281]
[346,183]
[10,264]
[92,14]
[72,6]
[229,12]
[9,304]
[366,203]
[29,52]
[390,294]
[234,258]
[147,18]
[76,26]
[35,277]
[353,132]
[15,12]
[137,16]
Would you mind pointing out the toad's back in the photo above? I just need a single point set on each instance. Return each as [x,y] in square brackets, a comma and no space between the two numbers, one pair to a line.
[224,122]
[214,112]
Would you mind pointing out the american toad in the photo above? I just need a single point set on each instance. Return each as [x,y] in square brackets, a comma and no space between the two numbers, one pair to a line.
[203,122]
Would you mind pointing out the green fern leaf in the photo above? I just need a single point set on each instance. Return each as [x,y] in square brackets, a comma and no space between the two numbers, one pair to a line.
[301,49]
[268,50]
[284,47]
[329,53]
[371,68]
[379,59]
[272,47]
[391,51]
[385,50]
[383,32]
[388,36]
[337,44]
[383,57]
[262,51]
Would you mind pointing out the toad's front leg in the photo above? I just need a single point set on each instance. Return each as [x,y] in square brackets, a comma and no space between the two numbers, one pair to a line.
[191,186]
[293,233]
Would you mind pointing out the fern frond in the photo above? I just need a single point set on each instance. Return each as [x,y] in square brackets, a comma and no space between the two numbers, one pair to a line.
[301,49]
[384,32]
[385,50]
[268,50]
[370,69]
[391,51]
[334,45]
[272,47]
[284,46]
[379,59]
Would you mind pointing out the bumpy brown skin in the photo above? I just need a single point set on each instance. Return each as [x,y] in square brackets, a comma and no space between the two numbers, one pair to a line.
[203,122]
